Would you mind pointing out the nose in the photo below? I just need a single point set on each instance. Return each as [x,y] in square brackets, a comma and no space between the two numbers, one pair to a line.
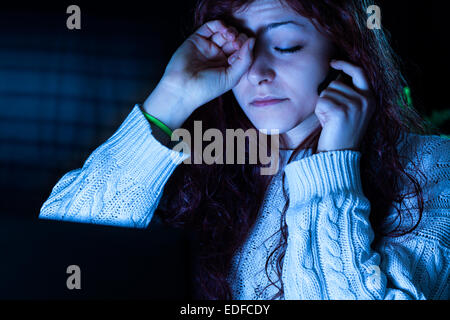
[260,71]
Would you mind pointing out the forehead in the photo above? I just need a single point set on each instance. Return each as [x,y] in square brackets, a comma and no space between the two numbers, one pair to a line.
[261,13]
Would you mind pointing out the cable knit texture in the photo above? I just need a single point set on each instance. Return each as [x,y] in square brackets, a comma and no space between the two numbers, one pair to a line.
[328,254]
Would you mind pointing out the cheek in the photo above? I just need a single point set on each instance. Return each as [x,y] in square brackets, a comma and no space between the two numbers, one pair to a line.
[301,84]
[305,72]
[239,94]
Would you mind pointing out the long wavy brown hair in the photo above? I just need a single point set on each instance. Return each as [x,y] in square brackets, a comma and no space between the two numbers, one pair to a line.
[219,203]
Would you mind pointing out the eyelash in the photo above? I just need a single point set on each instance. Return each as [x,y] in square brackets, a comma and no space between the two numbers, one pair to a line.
[289,50]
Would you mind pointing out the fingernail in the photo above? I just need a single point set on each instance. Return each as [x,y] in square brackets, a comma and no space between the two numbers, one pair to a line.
[251,44]
[231,59]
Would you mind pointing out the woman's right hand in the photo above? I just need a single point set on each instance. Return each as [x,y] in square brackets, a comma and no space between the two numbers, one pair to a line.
[202,68]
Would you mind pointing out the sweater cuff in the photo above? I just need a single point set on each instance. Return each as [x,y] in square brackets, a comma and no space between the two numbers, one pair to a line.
[322,174]
[134,144]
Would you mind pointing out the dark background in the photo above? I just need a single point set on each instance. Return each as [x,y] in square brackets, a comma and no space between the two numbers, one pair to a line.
[64,92]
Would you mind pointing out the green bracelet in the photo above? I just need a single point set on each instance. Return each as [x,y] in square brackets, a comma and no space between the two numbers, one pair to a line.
[158,123]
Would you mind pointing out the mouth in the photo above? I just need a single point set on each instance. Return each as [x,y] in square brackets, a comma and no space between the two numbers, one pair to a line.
[266,102]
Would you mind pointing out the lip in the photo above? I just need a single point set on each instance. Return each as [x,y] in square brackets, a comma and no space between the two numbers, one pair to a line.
[266,101]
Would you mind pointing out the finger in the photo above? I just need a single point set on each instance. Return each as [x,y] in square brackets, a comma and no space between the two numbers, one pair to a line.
[232,33]
[357,74]
[241,39]
[219,39]
[206,47]
[340,98]
[243,51]
[327,106]
[342,87]
[240,61]
[230,47]
[208,29]
[219,33]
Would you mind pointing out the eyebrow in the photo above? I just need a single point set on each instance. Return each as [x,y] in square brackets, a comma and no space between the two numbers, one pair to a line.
[279,24]
[273,25]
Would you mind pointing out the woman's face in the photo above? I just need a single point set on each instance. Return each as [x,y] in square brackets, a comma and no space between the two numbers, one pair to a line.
[293,76]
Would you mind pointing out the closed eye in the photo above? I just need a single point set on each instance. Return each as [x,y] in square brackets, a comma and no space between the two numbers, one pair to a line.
[289,50]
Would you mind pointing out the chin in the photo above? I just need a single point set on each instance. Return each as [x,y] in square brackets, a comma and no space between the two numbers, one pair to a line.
[281,120]
[271,126]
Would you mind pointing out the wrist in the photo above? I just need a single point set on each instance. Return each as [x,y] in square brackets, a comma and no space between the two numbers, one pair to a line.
[167,106]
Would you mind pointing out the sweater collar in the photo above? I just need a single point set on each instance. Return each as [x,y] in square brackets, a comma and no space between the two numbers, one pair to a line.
[286,153]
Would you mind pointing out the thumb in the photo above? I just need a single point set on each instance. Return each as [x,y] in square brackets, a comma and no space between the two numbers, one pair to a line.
[240,61]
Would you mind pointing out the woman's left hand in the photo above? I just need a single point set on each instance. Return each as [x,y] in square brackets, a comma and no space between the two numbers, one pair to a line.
[344,111]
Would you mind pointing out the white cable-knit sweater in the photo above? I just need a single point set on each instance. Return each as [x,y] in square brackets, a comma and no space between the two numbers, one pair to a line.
[328,255]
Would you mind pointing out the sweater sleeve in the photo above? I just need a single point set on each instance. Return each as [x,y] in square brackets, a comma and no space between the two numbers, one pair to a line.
[329,254]
[120,183]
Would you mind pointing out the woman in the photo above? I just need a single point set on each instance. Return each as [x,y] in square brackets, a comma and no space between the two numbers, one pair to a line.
[364,212]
